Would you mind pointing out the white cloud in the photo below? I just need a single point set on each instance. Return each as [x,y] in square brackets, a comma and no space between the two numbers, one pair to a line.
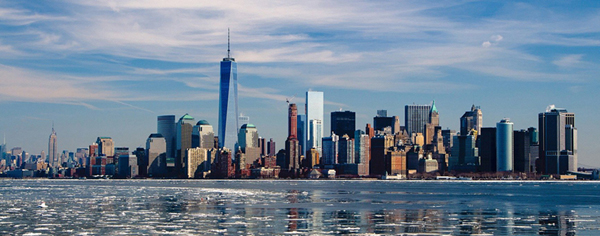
[568,61]
[372,45]
[496,38]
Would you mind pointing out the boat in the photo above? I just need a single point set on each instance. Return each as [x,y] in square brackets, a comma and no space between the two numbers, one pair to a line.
[392,177]
[42,205]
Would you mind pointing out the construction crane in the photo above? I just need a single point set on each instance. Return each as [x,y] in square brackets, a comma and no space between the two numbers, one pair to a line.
[289,100]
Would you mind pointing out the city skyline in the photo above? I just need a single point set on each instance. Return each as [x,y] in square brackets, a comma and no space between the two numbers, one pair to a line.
[91,86]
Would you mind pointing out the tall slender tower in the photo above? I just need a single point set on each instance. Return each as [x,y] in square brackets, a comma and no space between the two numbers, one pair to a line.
[166,127]
[314,121]
[52,149]
[291,144]
[228,102]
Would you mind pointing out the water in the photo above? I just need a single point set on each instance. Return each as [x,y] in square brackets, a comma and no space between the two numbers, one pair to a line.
[267,207]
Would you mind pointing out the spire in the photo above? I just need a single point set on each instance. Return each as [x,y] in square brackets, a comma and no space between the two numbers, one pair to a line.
[228,58]
[433,108]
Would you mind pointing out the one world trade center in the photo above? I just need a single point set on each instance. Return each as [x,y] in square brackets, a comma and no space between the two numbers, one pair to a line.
[228,102]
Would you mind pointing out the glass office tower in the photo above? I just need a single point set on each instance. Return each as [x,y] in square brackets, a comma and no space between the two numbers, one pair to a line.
[314,121]
[228,103]
[504,146]
[415,118]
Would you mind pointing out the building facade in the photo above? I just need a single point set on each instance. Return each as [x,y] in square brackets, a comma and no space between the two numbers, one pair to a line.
[156,153]
[557,141]
[343,123]
[228,103]
[314,120]
[166,127]
[203,135]
[52,149]
[415,118]
[504,146]
[183,140]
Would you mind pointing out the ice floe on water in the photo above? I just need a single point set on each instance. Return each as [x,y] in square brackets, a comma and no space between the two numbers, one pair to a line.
[256,207]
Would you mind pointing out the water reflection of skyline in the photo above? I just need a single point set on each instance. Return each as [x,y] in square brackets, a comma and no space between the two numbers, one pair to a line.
[306,208]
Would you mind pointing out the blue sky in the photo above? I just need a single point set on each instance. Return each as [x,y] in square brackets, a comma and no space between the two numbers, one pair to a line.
[108,68]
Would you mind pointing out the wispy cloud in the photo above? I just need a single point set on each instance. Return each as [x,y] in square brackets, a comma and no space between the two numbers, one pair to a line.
[569,61]
[359,45]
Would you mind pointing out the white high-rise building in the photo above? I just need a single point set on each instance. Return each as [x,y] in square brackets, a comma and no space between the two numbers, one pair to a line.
[314,121]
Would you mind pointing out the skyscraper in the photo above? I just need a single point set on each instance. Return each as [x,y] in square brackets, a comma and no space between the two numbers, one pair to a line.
[203,135]
[380,122]
[487,149]
[314,120]
[557,141]
[156,152]
[166,127]
[302,133]
[330,149]
[471,120]
[248,137]
[415,118]
[184,128]
[292,151]
[504,146]
[343,122]
[271,148]
[228,102]
[522,154]
[52,149]
[346,150]
[106,146]
[433,122]
[361,147]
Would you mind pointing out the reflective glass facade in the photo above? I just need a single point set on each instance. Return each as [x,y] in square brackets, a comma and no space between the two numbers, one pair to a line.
[504,145]
[314,121]
[228,104]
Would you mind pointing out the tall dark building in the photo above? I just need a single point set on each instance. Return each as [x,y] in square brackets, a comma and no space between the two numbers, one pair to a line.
[379,148]
[380,122]
[262,144]
[343,122]
[487,149]
[415,118]
[522,153]
[271,151]
[471,120]
[301,129]
[557,141]
[166,126]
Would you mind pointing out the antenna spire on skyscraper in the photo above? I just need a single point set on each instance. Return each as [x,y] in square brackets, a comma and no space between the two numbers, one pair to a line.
[228,52]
